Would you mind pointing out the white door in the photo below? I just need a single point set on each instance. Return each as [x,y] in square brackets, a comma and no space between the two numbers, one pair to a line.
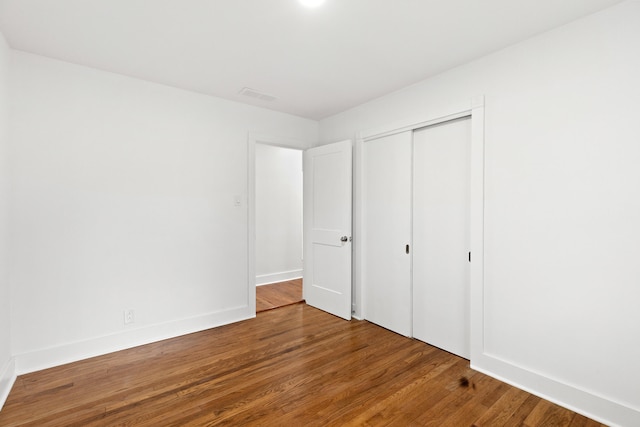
[327,228]
[386,232]
[441,235]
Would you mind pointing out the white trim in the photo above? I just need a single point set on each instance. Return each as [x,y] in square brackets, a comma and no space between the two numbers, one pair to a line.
[411,125]
[251,222]
[283,276]
[7,379]
[598,408]
[252,140]
[356,230]
[476,229]
[75,351]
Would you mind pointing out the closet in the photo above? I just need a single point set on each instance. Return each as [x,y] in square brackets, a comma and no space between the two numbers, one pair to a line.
[415,233]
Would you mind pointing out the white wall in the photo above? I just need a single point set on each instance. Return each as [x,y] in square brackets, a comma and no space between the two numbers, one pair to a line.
[562,178]
[6,363]
[124,198]
[278,213]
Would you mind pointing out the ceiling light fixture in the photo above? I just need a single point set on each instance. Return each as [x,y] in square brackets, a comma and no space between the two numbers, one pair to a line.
[311,3]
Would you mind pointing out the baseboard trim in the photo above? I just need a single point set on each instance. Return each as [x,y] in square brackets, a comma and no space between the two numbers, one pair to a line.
[7,379]
[283,276]
[73,352]
[598,408]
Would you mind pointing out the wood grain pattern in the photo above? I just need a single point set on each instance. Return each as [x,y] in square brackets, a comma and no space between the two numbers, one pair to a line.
[279,294]
[295,366]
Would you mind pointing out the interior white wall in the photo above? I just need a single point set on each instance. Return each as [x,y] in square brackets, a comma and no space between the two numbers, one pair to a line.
[561,206]
[125,198]
[6,364]
[278,213]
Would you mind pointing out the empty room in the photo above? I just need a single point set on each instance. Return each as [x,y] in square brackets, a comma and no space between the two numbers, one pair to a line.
[464,228]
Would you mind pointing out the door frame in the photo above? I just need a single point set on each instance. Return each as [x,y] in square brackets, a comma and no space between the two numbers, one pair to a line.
[475,109]
[253,139]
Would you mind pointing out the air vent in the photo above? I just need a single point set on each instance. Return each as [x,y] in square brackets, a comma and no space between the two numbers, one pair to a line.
[252,93]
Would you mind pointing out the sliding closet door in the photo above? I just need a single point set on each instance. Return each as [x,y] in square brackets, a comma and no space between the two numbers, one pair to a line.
[387,232]
[441,236]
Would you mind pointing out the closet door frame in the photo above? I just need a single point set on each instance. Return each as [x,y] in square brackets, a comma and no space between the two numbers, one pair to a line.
[474,110]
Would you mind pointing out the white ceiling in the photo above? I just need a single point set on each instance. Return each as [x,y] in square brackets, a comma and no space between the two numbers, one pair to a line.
[316,62]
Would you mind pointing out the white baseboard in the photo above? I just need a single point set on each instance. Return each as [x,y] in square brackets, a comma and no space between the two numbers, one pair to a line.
[598,408]
[7,379]
[73,352]
[266,279]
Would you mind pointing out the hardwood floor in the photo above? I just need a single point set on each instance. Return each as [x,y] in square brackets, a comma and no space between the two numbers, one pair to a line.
[278,295]
[295,366]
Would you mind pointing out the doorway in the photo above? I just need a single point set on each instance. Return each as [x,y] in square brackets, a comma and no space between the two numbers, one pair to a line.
[277,209]
[326,219]
[393,186]
[416,193]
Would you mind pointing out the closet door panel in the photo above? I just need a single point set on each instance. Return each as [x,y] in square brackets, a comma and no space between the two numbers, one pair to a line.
[441,236]
[387,232]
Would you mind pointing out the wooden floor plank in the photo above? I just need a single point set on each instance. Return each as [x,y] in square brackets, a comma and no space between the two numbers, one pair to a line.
[291,366]
[518,417]
[503,410]
[279,294]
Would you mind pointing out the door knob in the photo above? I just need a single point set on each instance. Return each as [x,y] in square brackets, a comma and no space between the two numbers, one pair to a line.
[344,239]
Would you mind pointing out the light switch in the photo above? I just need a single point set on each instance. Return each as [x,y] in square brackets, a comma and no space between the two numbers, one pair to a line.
[237,200]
